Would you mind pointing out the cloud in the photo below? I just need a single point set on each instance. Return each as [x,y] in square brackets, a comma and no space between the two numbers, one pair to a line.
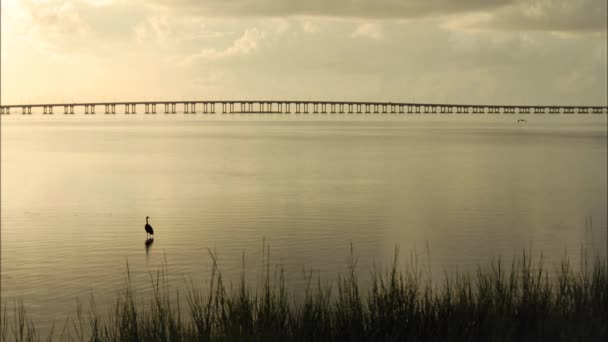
[575,16]
[156,26]
[332,8]
[566,16]
[310,27]
[369,30]
[244,45]
[53,18]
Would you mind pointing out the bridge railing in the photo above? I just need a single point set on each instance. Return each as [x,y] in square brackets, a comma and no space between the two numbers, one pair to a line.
[248,106]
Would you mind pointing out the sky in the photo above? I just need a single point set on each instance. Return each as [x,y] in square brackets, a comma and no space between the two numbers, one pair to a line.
[551,52]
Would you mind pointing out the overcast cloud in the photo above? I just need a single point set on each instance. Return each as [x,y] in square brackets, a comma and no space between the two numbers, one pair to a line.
[497,51]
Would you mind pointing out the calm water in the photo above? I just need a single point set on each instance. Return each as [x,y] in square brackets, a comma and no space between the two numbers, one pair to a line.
[454,192]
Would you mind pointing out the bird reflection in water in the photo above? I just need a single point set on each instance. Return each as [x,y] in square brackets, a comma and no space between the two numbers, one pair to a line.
[149,243]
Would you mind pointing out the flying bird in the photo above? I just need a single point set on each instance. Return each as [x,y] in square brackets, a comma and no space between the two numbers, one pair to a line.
[148,227]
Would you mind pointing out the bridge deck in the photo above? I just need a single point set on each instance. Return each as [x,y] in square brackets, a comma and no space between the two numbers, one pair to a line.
[279,106]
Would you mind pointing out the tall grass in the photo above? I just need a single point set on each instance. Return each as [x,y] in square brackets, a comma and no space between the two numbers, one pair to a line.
[516,302]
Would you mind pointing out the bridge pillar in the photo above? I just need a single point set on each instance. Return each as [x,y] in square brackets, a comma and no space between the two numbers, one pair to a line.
[323,108]
[306,108]
[147,108]
[166,108]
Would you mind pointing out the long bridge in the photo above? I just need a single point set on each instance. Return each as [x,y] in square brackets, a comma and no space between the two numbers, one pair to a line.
[249,106]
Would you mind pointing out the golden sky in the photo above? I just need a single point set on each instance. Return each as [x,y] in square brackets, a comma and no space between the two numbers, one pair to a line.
[467,51]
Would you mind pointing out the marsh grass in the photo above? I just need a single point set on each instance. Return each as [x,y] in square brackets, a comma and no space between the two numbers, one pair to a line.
[518,302]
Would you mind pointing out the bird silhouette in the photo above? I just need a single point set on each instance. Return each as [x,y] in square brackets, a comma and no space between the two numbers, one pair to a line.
[148,227]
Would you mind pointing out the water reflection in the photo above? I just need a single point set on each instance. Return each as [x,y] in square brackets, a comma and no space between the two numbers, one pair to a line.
[148,244]
[472,191]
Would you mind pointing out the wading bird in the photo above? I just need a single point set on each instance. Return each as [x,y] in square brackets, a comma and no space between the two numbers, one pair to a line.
[149,229]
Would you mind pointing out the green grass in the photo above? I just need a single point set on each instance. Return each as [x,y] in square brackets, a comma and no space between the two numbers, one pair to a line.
[520,301]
